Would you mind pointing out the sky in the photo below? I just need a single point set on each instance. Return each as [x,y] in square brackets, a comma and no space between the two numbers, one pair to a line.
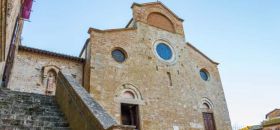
[243,36]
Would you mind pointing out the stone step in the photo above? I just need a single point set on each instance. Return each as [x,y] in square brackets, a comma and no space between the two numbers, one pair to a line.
[8,127]
[28,111]
[29,100]
[44,113]
[30,123]
[28,106]
[10,105]
[31,111]
[34,118]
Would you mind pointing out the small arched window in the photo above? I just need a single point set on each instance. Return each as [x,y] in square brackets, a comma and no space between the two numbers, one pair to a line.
[128,95]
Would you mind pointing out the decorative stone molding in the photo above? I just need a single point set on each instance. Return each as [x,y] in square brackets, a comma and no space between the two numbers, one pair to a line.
[206,105]
[136,97]
[47,68]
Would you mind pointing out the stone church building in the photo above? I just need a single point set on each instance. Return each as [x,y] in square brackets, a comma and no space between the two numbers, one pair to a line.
[144,75]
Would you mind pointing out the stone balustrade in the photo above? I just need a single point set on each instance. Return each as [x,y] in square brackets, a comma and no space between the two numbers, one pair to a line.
[80,109]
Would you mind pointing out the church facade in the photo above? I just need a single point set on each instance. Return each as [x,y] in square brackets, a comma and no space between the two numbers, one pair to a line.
[145,74]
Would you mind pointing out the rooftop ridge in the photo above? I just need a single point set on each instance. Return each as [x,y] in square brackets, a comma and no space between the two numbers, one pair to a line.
[40,51]
[197,50]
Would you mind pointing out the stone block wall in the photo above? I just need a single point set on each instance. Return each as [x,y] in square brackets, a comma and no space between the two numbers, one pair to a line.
[80,109]
[211,89]
[8,22]
[162,105]
[13,13]
[273,114]
[28,71]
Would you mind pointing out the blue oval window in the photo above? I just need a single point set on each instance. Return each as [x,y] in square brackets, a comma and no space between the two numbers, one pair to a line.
[164,51]
[204,75]
[119,55]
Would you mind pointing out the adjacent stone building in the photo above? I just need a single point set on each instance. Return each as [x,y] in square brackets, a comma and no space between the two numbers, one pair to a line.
[10,26]
[145,74]
[272,121]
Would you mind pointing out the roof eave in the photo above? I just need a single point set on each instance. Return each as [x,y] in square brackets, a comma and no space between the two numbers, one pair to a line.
[197,50]
[45,52]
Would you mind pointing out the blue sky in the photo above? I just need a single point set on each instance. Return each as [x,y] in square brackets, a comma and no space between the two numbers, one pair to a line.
[244,36]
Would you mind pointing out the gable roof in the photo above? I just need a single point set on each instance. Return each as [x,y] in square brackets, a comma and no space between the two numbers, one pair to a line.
[276,109]
[159,3]
[49,53]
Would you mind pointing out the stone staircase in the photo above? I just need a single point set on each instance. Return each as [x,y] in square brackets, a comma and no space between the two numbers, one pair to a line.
[27,111]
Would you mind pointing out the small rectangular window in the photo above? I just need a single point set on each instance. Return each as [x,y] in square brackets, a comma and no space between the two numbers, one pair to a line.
[130,115]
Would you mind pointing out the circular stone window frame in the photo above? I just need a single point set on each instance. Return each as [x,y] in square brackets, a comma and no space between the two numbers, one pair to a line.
[207,74]
[166,42]
[123,51]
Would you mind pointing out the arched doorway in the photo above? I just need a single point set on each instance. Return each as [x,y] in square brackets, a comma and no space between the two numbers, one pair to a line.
[208,116]
[130,100]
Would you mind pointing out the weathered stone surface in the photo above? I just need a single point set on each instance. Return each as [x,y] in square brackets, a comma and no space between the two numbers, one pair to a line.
[273,114]
[9,14]
[81,110]
[141,13]
[172,93]
[28,71]
[26,111]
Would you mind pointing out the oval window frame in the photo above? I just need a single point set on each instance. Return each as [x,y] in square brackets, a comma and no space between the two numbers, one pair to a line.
[122,51]
[156,43]
[206,72]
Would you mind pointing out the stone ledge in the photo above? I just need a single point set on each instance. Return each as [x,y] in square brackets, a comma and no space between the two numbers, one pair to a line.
[80,109]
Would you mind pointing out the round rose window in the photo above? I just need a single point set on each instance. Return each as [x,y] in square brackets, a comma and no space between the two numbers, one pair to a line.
[164,51]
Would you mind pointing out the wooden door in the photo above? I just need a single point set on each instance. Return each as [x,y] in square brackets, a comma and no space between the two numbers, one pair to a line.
[209,121]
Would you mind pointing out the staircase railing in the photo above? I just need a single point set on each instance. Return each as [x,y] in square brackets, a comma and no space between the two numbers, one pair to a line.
[80,109]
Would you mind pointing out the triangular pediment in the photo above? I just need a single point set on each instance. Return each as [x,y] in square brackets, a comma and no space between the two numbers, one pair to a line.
[160,4]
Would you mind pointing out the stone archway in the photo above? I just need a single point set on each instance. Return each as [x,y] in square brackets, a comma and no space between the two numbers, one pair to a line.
[208,114]
[128,93]
[130,99]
